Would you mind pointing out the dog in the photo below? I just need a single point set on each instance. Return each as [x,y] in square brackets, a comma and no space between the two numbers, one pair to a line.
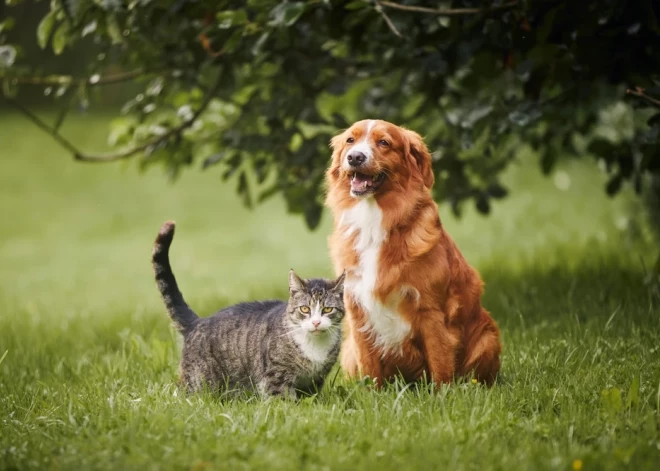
[413,304]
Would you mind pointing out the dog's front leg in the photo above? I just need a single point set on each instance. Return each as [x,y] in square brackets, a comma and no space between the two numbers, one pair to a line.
[440,345]
[361,341]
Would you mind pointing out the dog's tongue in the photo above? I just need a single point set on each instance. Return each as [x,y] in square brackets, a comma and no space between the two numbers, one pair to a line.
[360,182]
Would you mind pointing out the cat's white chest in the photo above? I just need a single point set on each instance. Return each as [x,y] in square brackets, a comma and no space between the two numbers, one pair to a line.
[387,327]
[315,349]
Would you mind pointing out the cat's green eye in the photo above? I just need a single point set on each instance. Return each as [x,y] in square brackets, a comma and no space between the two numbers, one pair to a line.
[328,310]
[304,309]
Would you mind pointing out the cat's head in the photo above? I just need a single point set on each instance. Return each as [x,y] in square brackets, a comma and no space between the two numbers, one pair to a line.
[316,306]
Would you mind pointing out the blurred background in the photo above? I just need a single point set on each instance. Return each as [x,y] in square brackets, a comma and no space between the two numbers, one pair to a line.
[516,178]
[75,225]
[240,99]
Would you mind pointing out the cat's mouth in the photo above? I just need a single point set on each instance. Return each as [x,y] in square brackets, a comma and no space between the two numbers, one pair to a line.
[363,184]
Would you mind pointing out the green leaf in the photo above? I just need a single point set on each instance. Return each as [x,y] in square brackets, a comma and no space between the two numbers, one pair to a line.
[655,119]
[89,28]
[312,212]
[497,191]
[71,9]
[339,121]
[215,158]
[356,5]
[233,168]
[475,114]
[60,37]
[233,41]
[548,158]
[259,44]
[616,123]
[520,118]
[113,29]
[482,203]
[244,190]
[269,192]
[610,400]
[228,18]
[121,131]
[614,185]
[456,209]
[261,170]
[7,25]
[546,26]
[600,147]
[632,398]
[44,29]
[286,14]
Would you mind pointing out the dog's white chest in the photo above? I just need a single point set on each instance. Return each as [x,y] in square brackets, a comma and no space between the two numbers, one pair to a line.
[384,322]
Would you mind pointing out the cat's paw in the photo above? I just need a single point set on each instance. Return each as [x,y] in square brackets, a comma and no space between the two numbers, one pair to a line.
[268,391]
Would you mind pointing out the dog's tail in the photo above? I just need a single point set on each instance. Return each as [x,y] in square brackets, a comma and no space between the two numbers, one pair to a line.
[184,318]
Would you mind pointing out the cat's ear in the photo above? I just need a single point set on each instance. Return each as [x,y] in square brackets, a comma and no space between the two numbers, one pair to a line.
[295,283]
[338,284]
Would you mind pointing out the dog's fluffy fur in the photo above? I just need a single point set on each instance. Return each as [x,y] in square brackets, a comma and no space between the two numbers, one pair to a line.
[412,301]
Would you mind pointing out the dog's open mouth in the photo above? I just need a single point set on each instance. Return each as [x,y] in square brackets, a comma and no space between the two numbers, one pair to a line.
[362,184]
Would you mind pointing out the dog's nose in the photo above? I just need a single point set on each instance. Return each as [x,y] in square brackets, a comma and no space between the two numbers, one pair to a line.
[355,158]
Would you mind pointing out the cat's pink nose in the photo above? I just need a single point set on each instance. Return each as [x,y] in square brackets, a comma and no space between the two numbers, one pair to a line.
[316,323]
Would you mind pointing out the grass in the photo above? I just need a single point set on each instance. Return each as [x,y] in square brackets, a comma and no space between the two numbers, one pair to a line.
[88,360]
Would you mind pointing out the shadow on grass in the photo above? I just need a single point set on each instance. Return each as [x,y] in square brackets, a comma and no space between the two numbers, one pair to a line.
[602,292]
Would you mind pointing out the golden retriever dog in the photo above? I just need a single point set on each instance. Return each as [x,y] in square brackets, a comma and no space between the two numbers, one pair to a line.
[412,301]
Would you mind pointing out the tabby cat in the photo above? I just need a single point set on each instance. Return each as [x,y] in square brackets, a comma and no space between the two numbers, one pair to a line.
[274,347]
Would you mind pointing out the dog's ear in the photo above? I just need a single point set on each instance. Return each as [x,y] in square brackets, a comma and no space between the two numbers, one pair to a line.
[336,144]
[337,141]
[421,157]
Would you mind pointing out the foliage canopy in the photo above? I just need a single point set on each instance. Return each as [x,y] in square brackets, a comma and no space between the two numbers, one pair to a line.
[260,86]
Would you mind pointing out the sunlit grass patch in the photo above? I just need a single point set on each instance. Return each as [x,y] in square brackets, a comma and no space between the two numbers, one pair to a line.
[88,361]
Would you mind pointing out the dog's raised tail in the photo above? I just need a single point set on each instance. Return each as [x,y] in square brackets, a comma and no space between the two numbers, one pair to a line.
[183,317]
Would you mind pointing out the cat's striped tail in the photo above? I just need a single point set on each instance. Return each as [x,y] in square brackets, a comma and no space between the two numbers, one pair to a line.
[181,314]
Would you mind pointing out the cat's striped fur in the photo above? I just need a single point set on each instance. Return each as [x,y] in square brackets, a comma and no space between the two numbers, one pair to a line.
[275,347]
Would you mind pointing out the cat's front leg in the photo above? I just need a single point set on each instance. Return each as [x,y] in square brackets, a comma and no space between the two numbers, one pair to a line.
[288,392]
[273,386]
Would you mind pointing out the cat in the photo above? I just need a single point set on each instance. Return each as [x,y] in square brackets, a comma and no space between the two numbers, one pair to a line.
[275,348]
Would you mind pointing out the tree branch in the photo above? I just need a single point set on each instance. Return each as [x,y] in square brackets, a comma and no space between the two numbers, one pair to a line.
[109,157]
[447,11]
[61,140]
[641,93]
[388,21]
[94,80]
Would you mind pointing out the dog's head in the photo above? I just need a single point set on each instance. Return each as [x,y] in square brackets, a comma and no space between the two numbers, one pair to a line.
[374,157]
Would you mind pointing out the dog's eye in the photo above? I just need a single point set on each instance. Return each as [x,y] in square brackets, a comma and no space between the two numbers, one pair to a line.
[383,143]
[304,309]
[350,140]
[328,310]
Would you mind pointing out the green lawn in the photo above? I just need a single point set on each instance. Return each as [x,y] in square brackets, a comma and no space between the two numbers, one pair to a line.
[87,380]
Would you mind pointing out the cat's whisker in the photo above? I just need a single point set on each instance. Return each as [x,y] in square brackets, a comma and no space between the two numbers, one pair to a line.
[332,330]
[292,331]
